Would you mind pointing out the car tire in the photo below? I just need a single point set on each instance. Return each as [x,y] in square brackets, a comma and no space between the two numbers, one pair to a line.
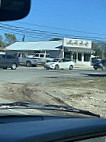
[70,67]
[14,66]
[28,64]
[5,68]
[95,68]
[56,67]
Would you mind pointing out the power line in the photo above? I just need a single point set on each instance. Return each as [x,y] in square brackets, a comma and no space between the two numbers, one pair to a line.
[17,33]
[78,31]
[45,34]
[23,31]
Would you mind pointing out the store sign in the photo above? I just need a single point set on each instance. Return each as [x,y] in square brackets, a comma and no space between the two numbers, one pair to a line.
[67,42]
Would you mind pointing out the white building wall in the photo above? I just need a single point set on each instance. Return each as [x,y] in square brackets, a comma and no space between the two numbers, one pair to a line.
[82,62]
[78,46]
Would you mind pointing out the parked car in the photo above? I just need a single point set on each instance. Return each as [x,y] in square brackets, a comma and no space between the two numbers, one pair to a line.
[94,60]
[43,57]
[60,64]
[33,60]
[101,64]
[9,61]
[27,61]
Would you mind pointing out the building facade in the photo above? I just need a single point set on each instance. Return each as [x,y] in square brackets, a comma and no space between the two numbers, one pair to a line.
[77,50]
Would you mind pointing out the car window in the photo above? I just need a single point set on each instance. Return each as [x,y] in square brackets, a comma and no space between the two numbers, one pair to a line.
[3,57]
[66,60]
[61,60]
[36,55]
[41,55]
[9,57]
[55,60]
[47,55]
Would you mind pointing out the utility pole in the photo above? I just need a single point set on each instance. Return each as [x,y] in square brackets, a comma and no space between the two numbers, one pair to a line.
[23,39]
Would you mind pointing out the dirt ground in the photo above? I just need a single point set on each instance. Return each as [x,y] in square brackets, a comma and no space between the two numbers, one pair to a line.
[84,94]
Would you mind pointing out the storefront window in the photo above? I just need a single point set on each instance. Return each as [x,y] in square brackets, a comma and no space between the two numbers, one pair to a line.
[67,55]
[79,57]
[87,57]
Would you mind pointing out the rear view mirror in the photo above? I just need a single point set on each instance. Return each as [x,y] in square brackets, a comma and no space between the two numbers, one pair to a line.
[14,9]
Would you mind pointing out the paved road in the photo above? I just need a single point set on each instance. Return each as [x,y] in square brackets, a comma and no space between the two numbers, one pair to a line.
[40,75]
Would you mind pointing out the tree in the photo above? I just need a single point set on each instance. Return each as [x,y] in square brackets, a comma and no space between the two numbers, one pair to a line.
[97,49]
[10,39]
[55,39]
[2,44]
[104,51]
[100,49]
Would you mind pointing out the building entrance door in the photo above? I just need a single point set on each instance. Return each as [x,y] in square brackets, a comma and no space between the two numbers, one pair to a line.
[74,57]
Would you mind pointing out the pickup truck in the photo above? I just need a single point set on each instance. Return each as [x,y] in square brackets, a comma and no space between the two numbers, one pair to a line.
[33,60]
[27,61]
[43,57]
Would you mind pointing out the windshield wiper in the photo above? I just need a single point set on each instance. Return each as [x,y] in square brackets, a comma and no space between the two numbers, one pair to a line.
[30,105]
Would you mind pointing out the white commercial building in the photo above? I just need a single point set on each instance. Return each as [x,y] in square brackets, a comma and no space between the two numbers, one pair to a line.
[78,50]
[53,48]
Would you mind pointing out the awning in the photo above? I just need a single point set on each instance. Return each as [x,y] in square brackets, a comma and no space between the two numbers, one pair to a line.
[59,47]
[79,50]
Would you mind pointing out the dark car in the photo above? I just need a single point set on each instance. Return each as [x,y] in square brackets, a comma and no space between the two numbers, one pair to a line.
[101,64]
[94,60]
[9,61]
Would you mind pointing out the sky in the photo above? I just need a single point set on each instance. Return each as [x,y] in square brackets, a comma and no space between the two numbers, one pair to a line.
[83,19]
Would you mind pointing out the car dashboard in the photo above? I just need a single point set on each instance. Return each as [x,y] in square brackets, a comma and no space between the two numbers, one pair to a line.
[48,128]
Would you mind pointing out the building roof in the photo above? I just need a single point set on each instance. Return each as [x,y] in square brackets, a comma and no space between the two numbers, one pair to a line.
[41,45]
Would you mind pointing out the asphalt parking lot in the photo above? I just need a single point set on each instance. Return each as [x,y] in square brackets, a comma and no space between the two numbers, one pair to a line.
[40,75]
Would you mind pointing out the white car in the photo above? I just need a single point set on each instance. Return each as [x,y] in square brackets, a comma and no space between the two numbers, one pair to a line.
[60,64]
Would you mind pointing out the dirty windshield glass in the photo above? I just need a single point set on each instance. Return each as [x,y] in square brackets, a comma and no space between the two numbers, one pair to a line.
[71,30]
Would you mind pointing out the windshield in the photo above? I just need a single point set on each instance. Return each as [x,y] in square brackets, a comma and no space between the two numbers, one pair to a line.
[72,30]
